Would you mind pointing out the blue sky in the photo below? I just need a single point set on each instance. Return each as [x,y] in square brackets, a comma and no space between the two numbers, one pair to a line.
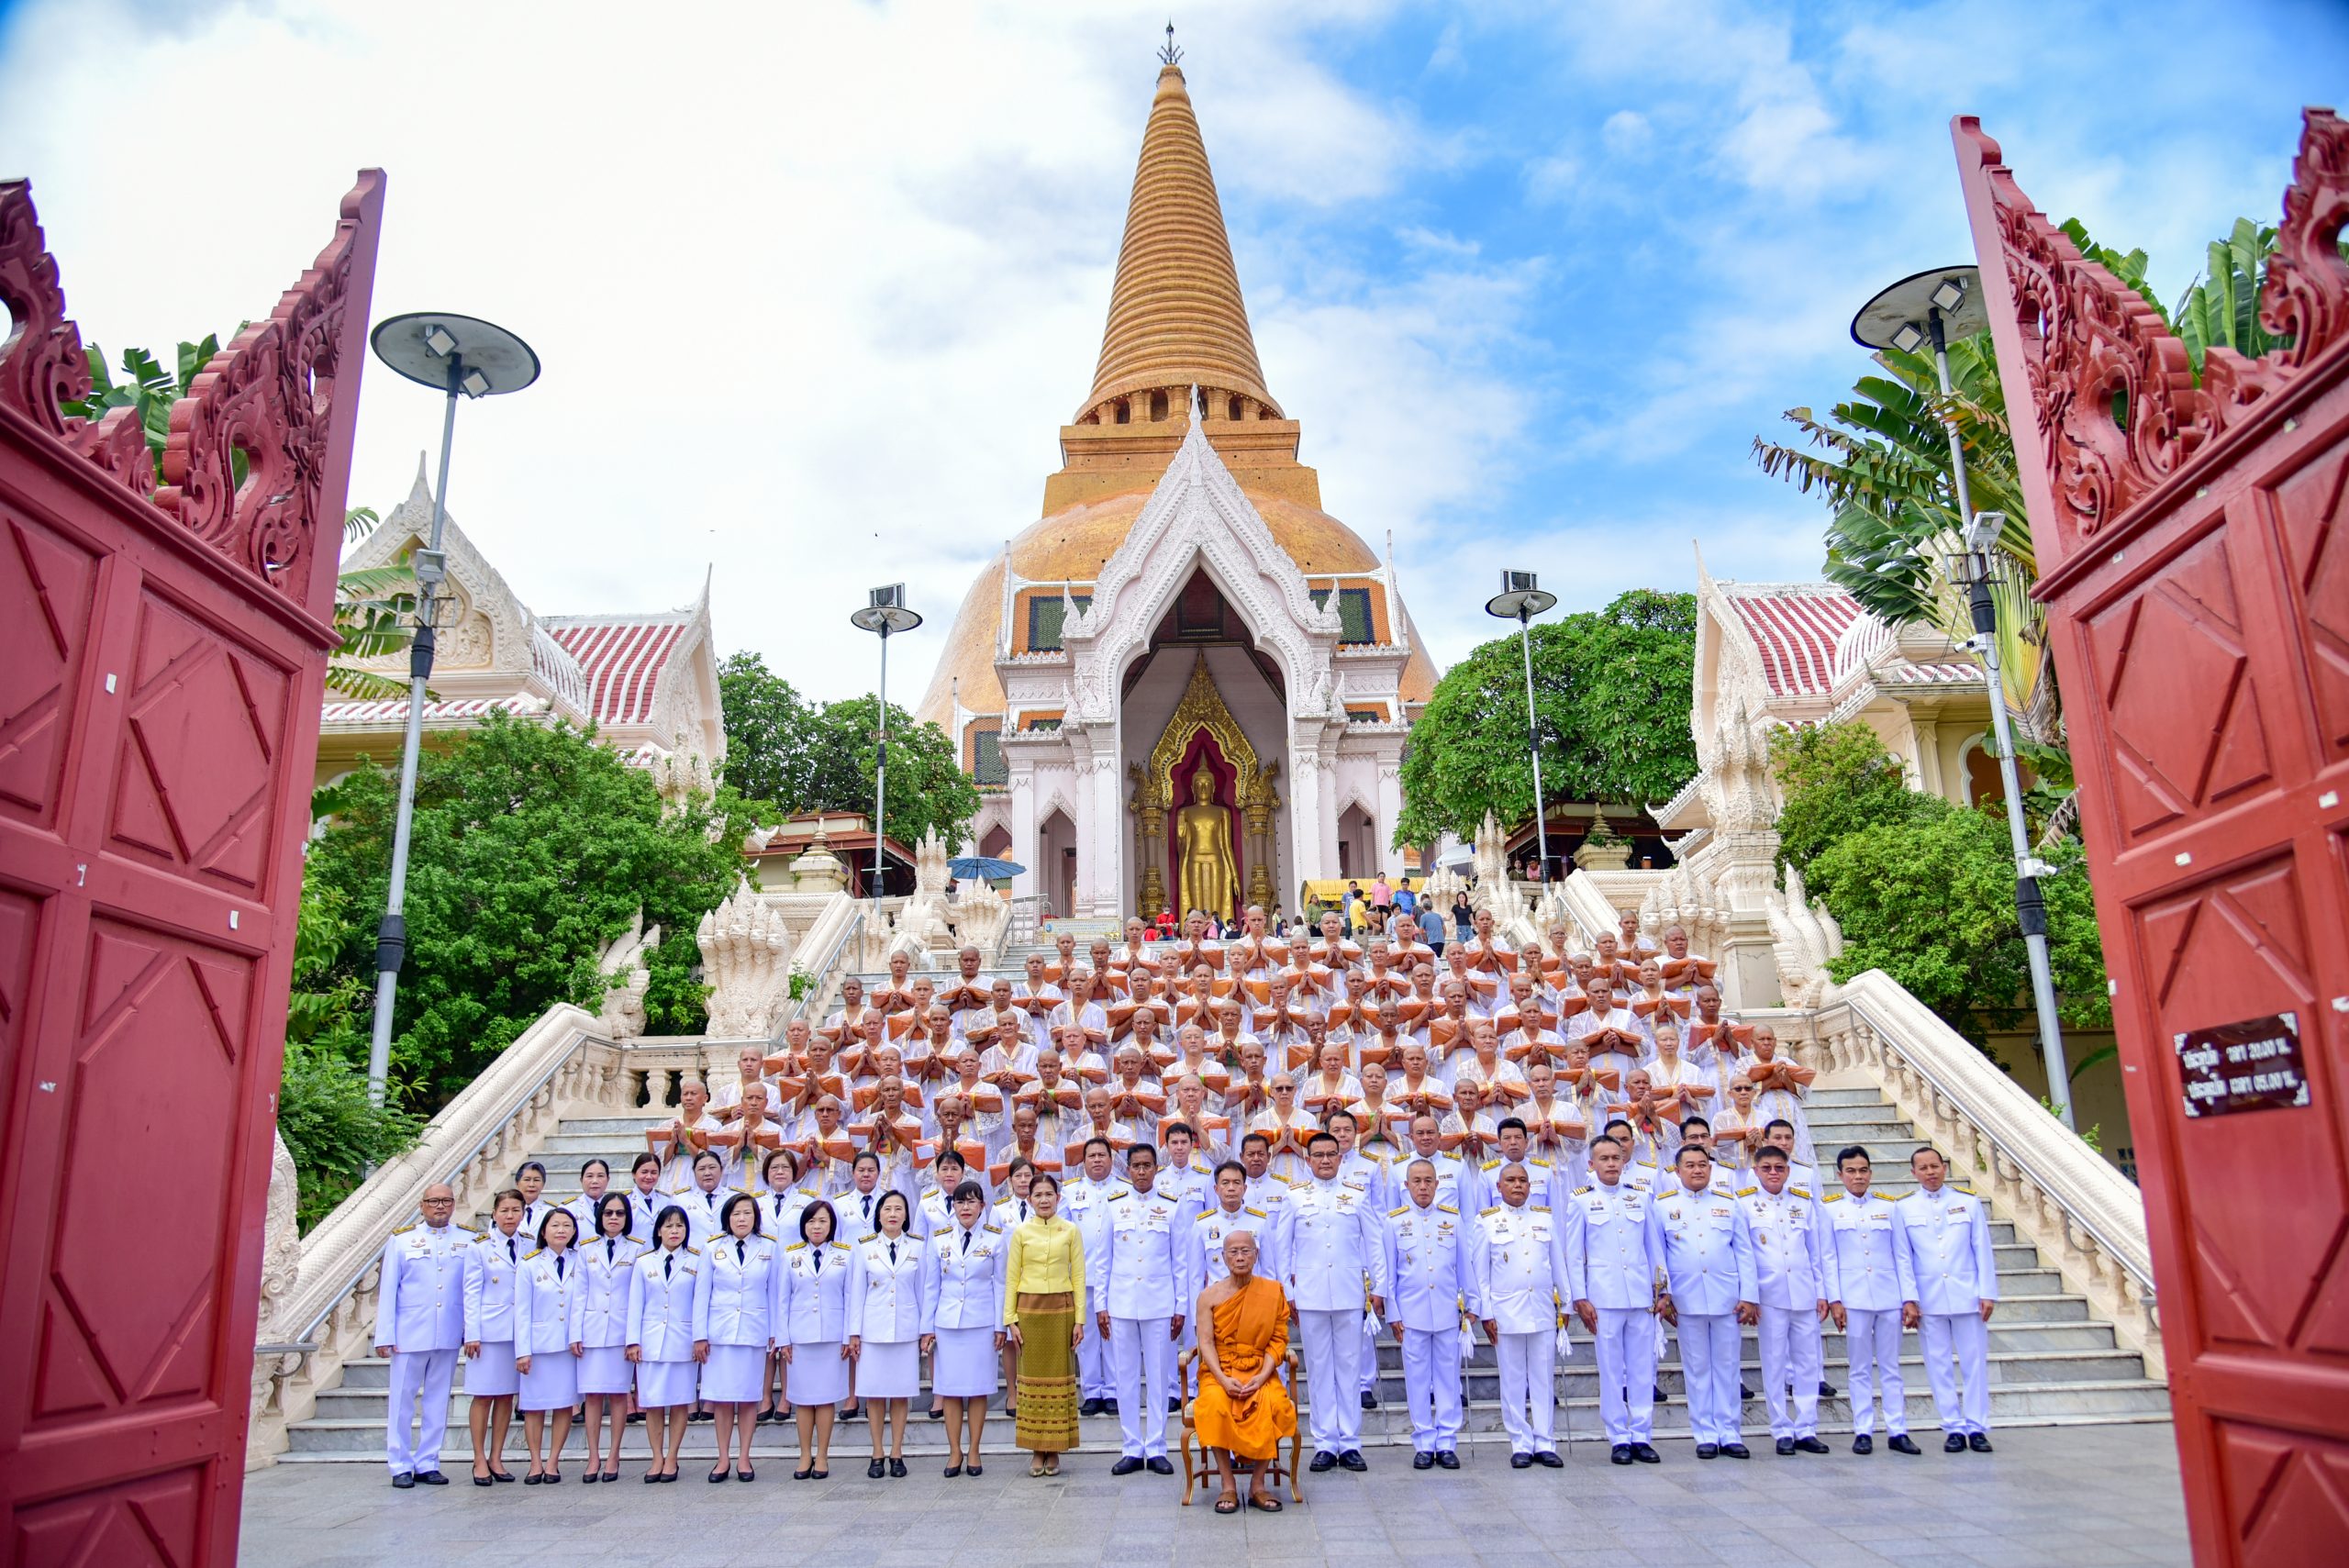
[816,284]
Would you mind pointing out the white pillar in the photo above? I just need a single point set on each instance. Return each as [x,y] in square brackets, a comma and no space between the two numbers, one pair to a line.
[1025,849]
[1390,812]
[1306,787]
[1102,875]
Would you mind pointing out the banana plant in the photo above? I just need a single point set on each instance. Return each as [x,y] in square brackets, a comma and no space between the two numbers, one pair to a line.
[375,608]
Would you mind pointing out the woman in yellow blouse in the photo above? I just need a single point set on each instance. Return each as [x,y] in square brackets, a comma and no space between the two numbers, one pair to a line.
[1043,1292]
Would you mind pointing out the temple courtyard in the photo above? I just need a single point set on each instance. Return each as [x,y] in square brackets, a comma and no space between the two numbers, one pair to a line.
[2077,1496]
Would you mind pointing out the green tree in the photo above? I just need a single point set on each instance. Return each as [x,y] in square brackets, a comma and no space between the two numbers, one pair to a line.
[1925,890]
[323,1113]
[1611,688]
[533,847]
[794,756]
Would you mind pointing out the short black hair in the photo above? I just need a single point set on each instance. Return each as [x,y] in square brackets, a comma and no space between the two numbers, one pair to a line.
[1852,1152]
[1257,1138]
[1044,1179]
[530,1166]
[1615,1123]
[953,1155]
[1231,1165]
[708,1154]
[726,1213]
[592,1163]
[767,1164]
[1688,1122]
[1770,1151]
[1019,1162]
[1318,1140]
[967,1190]
[824,1206]
[862,1156]
[1341,1111]
[642,1161]
[883,1207]
[661,1220]
[1774,1123]
[1185,1127]
[548,1218]
[1136,1151]
[628,1213]
[1610,1142]
[1507,1122]
[1102,1141]
[1687,1149]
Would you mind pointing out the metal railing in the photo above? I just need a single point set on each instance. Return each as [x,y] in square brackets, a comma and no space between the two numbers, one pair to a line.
[1027,920]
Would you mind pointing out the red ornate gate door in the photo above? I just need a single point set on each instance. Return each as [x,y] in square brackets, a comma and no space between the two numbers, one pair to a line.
[160,666]
[2194,549]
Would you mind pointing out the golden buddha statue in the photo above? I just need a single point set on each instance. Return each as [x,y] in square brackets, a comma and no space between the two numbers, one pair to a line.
[1207,876]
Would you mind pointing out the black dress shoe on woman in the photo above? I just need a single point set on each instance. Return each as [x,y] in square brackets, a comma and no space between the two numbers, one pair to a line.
[898,1469]
[877,1469]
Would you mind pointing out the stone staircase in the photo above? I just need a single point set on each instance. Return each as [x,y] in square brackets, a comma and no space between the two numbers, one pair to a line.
[2052,1362]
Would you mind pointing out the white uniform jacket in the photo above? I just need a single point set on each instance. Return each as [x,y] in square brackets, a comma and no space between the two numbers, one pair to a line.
[1520,1259]
[420,1305]
[661,1303]
[1950,1258]
[549,1303]
[884,1291]
[813,1290]
[1432,1276]
[734,1298]
[962,1283]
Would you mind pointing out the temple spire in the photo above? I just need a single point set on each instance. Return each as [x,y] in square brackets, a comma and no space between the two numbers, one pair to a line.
[1176,313]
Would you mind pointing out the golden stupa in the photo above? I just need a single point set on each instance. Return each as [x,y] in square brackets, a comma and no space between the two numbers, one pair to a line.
[1176,322]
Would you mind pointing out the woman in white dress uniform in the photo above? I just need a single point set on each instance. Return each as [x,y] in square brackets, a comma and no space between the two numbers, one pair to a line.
[645,1198]
[491,1381]
[812,1324]
[595,1181]
[734,1316]
[779,1220]
[548,1296]
[605,1266]
[530,1181]
[705,1201]
[961,1322]
[660,1338]
[885,1327]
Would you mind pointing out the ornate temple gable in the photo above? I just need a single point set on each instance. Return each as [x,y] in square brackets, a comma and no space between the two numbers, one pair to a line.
[1197,515]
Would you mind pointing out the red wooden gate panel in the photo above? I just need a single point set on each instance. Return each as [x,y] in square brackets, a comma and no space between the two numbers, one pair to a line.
[160,666]
[2195,557]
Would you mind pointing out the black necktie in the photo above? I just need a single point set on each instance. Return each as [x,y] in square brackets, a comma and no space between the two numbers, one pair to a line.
[669,1265]
[611,1250]
[893,1252]
[966,1240]
[511,1255]
[868,1209]
[558,1265]
[819,1260]
[1023,1208]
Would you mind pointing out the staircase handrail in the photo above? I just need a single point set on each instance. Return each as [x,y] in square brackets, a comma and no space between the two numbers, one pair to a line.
[846,917]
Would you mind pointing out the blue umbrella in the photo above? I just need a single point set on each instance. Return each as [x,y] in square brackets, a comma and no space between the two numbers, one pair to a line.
[984,868]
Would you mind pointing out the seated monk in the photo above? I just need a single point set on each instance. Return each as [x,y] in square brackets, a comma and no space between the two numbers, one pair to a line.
[1241,1412]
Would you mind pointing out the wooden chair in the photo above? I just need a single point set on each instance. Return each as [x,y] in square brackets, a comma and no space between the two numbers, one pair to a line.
[1197,1467]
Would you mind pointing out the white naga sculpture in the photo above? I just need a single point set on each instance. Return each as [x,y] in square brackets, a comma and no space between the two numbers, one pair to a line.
[746,957]
[1803,938]
[622,964]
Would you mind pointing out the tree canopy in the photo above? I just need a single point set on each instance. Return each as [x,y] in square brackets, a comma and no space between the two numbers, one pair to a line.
[533,847]
[791,756]
[1612,690]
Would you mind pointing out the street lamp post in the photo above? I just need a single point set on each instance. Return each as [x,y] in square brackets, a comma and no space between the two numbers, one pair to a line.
[1932,307]
[451,354]
[885,614]
[1520,600]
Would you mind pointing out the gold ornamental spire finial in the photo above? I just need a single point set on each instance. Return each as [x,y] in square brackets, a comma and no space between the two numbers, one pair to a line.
[1168,54]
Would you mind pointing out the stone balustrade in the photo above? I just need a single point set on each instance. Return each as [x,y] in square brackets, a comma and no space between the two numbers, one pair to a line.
[2086,1217]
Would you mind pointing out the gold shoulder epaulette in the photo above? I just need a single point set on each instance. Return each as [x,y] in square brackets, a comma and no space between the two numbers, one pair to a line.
[694,1250]
[994,1229]
[1955,1188]
[466,1228]
[1747,1192]
[1491,1165]
[406,1229]
[1447,1208]
[794,1246]
[1580,1191]
[1540,1207]
[844,1246]
[1397,1210]
[1257,1212]
[1538,1160]
[533,1253]
[1799,1192]
[1494,1209]
[1832,1197]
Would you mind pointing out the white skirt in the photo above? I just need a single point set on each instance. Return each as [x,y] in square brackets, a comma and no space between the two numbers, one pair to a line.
[818,1375]
[661,1385]
[552,1384]
[966,1365]
[888,1371]
[734,1374]
[604,1370]
[491,1373]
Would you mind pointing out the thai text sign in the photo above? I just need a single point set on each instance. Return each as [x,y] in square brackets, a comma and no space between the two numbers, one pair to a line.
[2254,1065]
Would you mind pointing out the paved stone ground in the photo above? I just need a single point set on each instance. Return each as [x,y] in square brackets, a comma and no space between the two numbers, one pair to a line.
[2079,1497]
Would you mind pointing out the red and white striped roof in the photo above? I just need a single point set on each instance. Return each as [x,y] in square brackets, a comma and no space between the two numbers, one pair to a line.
[394,710]
[623,657]
[1795,625]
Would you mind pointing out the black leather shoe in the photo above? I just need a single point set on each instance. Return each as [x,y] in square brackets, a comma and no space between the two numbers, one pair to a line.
[1447,1460]
[1810,1445]
[1904,1443]
[1090,1408]
[1660,1395]
[1979,1443]
[952,1470]
[1736,1451]
[1352,1460]
[975,1469]
[802,1475]
[1173,1406]
[1864,1444]
[1743,1392]
[1128,1465]
[876,1470]
[1520,1462]
[406,1482]
[1161,1465]
[478,1481]
[1954,1443]
[434,1478]
[1322,1459]
[1548,1460]
[1708,1450]
[1423,1460]
[1369,1400]
[1826,1389]
[1620,1454]
[1108,1407]
[716,1478]
[536,1480]
[938,1412]
[896,1469]
[1646,1455]
[1786,1448]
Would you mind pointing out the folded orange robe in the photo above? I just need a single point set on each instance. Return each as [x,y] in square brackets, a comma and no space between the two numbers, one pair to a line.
[1251,1329]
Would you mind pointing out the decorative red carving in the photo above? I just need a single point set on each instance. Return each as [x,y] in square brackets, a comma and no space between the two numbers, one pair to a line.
[269,394]
[2307,293]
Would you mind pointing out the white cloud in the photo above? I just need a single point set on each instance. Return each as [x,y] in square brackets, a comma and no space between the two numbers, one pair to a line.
[1627,133]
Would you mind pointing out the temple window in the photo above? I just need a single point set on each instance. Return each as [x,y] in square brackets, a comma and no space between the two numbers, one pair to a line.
[987,768]
[1354,614]
[1045,613]
[1233,408]
[1123,411]
[1157,406]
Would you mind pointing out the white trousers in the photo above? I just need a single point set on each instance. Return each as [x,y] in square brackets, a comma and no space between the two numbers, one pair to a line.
[1958,1343]
[1094,1378]
[1369,1358]
[1627,1373]
[1141,1353]
[414,1372]
[1874,1341]
[1791,1352]
[1431,1387]
[1333,1376]
[1709,1345]
[1529,1390]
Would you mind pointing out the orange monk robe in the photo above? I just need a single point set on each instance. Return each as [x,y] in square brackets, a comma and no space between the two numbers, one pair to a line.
[1251,1329]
